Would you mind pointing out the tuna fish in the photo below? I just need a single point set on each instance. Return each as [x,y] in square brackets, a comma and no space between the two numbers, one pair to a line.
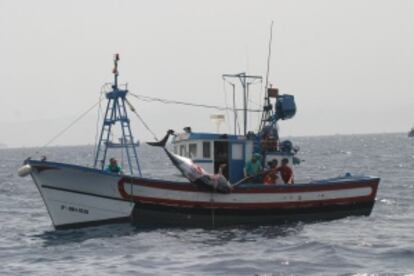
[193,172]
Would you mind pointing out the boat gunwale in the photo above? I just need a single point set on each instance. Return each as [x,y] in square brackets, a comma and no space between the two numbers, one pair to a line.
[319,185]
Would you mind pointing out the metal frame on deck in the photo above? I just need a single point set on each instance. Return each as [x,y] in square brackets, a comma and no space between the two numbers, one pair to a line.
[116,112]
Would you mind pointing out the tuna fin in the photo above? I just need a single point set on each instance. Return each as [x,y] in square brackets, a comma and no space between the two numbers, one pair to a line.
[164,140]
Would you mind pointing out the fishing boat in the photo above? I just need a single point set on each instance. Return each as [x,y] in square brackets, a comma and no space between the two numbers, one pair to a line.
[207,196]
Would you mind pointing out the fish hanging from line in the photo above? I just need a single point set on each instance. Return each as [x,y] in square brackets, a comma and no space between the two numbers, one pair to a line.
[193,172]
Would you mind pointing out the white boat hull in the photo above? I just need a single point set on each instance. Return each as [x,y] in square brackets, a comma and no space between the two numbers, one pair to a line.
[77,196]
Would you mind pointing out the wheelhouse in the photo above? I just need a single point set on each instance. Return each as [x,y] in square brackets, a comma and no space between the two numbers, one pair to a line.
[211,150]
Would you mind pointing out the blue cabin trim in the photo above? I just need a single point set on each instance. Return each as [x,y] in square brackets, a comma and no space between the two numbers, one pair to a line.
[223,149]
[232,150]
[209,136]
[202,161]
[236,165]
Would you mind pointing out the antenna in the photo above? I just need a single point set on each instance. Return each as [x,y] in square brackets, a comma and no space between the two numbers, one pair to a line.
[266,99]
[269,55]
[233,85]
[115,71]
[243,77]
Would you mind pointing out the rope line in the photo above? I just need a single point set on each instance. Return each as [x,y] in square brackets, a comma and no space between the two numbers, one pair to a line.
[165,101]
[145,99]
[95,147]
[141,119]
[71,124]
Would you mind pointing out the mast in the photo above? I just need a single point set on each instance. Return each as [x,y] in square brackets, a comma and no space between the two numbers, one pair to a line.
[234,108]
[267,107]
[244,80]
[116,113]
[115,72]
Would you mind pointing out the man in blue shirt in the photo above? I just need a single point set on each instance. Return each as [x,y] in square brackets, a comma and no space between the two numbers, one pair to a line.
[253,167]
[113,167]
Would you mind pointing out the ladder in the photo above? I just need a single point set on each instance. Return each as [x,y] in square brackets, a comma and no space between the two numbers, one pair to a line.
[115,113]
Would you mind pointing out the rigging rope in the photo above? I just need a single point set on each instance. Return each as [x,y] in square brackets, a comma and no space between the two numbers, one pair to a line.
[71,124]
[165,101]
[145,99]
[95,147]
[140,118]
[38,150]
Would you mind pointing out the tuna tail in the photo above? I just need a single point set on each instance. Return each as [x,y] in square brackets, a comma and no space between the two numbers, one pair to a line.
[164,140]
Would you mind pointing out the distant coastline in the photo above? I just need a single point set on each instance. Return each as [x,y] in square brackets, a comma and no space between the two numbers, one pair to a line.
[3,146]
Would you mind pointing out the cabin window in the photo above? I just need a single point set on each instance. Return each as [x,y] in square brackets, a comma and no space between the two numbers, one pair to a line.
[182,150]
[206,150]
[237,152]
[192,150]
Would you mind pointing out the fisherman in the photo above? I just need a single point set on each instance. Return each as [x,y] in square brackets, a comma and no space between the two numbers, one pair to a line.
[271,176]
[113,167]
[253,167]
[286,172]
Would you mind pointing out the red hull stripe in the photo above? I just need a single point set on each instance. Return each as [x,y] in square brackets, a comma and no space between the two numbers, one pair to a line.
[256,205]
[250,190]
[222,205]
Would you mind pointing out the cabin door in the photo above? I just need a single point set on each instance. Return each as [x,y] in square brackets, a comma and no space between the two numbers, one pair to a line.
[236,154]
[221,156]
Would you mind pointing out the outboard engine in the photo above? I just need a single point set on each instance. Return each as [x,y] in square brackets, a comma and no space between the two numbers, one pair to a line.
[285,107]
[286,146]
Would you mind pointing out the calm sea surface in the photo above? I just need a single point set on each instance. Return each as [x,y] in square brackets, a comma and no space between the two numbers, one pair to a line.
[382,243]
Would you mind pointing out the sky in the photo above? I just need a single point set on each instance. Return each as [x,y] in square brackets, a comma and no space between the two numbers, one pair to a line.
[349,64]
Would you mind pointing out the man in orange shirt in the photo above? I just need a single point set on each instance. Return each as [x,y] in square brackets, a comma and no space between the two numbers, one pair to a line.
[271,176]
[286,172]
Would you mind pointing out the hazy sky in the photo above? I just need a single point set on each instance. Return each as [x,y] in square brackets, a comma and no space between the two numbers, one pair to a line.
[349,63]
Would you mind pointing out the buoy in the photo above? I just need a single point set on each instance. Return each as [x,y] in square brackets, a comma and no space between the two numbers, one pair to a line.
[24,170]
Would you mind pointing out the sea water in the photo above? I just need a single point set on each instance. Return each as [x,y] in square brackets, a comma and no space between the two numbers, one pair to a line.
[380,244]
